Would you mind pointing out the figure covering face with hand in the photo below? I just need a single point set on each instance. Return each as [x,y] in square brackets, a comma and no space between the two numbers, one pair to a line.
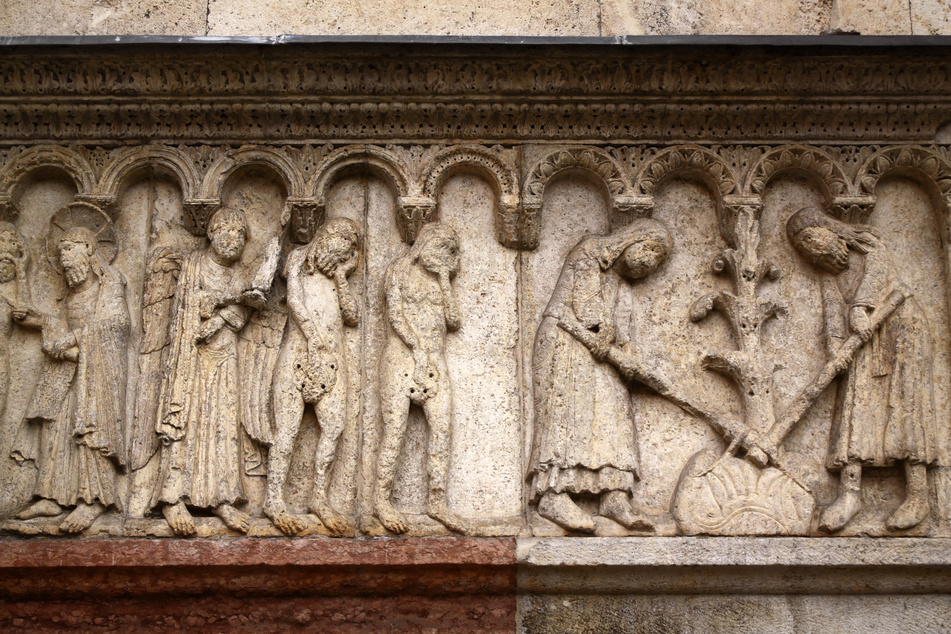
[885,409]
[421,309]
[198,425]
[312,366]
[584,440]
[80,397]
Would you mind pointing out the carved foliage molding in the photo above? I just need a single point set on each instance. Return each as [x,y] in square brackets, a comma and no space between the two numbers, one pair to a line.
[847,176]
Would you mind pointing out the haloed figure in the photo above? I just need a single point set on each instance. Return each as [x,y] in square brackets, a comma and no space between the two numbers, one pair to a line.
[421,309]
[885,412]
[198,423]
[584,441]
[312,366]
[80,397]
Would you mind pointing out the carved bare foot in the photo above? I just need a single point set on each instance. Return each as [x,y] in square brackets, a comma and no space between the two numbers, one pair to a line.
[82,517]
[285,522]
[391,519]
[617,506]
[179,519]
[233,518]
[561,509]
[440,512]
[334,521]
[43,508]
[839,513]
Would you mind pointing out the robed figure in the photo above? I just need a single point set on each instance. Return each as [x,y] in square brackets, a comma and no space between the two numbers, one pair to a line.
[199,421]
[885,409]
[79,401]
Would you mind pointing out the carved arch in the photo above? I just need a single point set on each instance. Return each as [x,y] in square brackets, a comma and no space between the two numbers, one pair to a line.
[232,161]
[692,161]
[502,176]
[592,161]
[923,164]
[377,161]
[798,159]
[198,210]
[39,157]
[168,160]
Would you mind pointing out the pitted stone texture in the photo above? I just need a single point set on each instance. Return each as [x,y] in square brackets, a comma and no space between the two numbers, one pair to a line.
[931,17]
[104,17]
[872,17]
[379,17]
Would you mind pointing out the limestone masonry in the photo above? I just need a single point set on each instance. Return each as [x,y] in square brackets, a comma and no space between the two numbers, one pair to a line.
[655,335]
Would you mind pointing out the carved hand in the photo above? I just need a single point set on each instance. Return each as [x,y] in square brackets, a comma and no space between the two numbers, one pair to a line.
[860,323]
[425,374]
[27,316]
[209,328]
[59,348]
[346,268]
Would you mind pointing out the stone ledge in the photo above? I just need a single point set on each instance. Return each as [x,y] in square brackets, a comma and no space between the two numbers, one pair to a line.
[738,565]
[432,551]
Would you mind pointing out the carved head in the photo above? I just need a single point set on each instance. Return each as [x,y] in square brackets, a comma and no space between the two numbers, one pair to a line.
[436,248]
[228,233]
[77,255]
[638,249]
[825,241]
[12,250]
[335,242]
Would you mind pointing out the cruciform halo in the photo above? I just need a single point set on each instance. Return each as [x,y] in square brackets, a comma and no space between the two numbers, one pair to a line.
[82,214]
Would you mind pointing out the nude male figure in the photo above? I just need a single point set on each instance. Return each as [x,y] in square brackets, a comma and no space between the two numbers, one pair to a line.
[421,309]
[312,366]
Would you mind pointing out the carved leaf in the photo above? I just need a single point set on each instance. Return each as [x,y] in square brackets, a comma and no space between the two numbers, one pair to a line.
[929,166]
[882,164]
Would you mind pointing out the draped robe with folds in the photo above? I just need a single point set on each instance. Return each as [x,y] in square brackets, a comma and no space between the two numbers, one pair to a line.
[884,409]
[81,406]
[199,420]
[584,440]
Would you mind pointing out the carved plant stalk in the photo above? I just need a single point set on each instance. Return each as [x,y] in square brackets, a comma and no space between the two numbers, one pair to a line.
[747,366]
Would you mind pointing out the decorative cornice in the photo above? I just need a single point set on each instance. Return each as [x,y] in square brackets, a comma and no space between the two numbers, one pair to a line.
[346,94]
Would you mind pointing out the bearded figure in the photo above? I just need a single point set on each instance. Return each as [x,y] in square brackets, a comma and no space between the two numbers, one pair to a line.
[79,401]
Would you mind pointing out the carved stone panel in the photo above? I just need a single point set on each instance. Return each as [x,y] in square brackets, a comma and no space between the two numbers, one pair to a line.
[565,295]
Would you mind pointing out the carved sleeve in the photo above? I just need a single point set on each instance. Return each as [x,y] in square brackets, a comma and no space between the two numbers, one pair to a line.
[871,290]
[586,299]
[833,314]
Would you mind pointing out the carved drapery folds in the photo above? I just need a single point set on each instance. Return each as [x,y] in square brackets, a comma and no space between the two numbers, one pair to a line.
[420,301]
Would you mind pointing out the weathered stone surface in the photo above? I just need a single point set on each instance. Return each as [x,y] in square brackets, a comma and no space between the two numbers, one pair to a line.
[872,17]
[930,17]
[354,17]
[95,17]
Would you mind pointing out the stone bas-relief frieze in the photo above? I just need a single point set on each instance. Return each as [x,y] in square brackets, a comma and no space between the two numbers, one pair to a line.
[267,339]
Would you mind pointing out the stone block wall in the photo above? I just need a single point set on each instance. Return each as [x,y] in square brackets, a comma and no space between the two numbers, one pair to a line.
[487,17]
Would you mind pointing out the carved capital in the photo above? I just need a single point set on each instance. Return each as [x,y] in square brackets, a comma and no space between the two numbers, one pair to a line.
[306,215]
[413,213]
[105,202]
[197,211]
[853,208]
[9,208]
[733,207]
[518,224]
[627,209]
